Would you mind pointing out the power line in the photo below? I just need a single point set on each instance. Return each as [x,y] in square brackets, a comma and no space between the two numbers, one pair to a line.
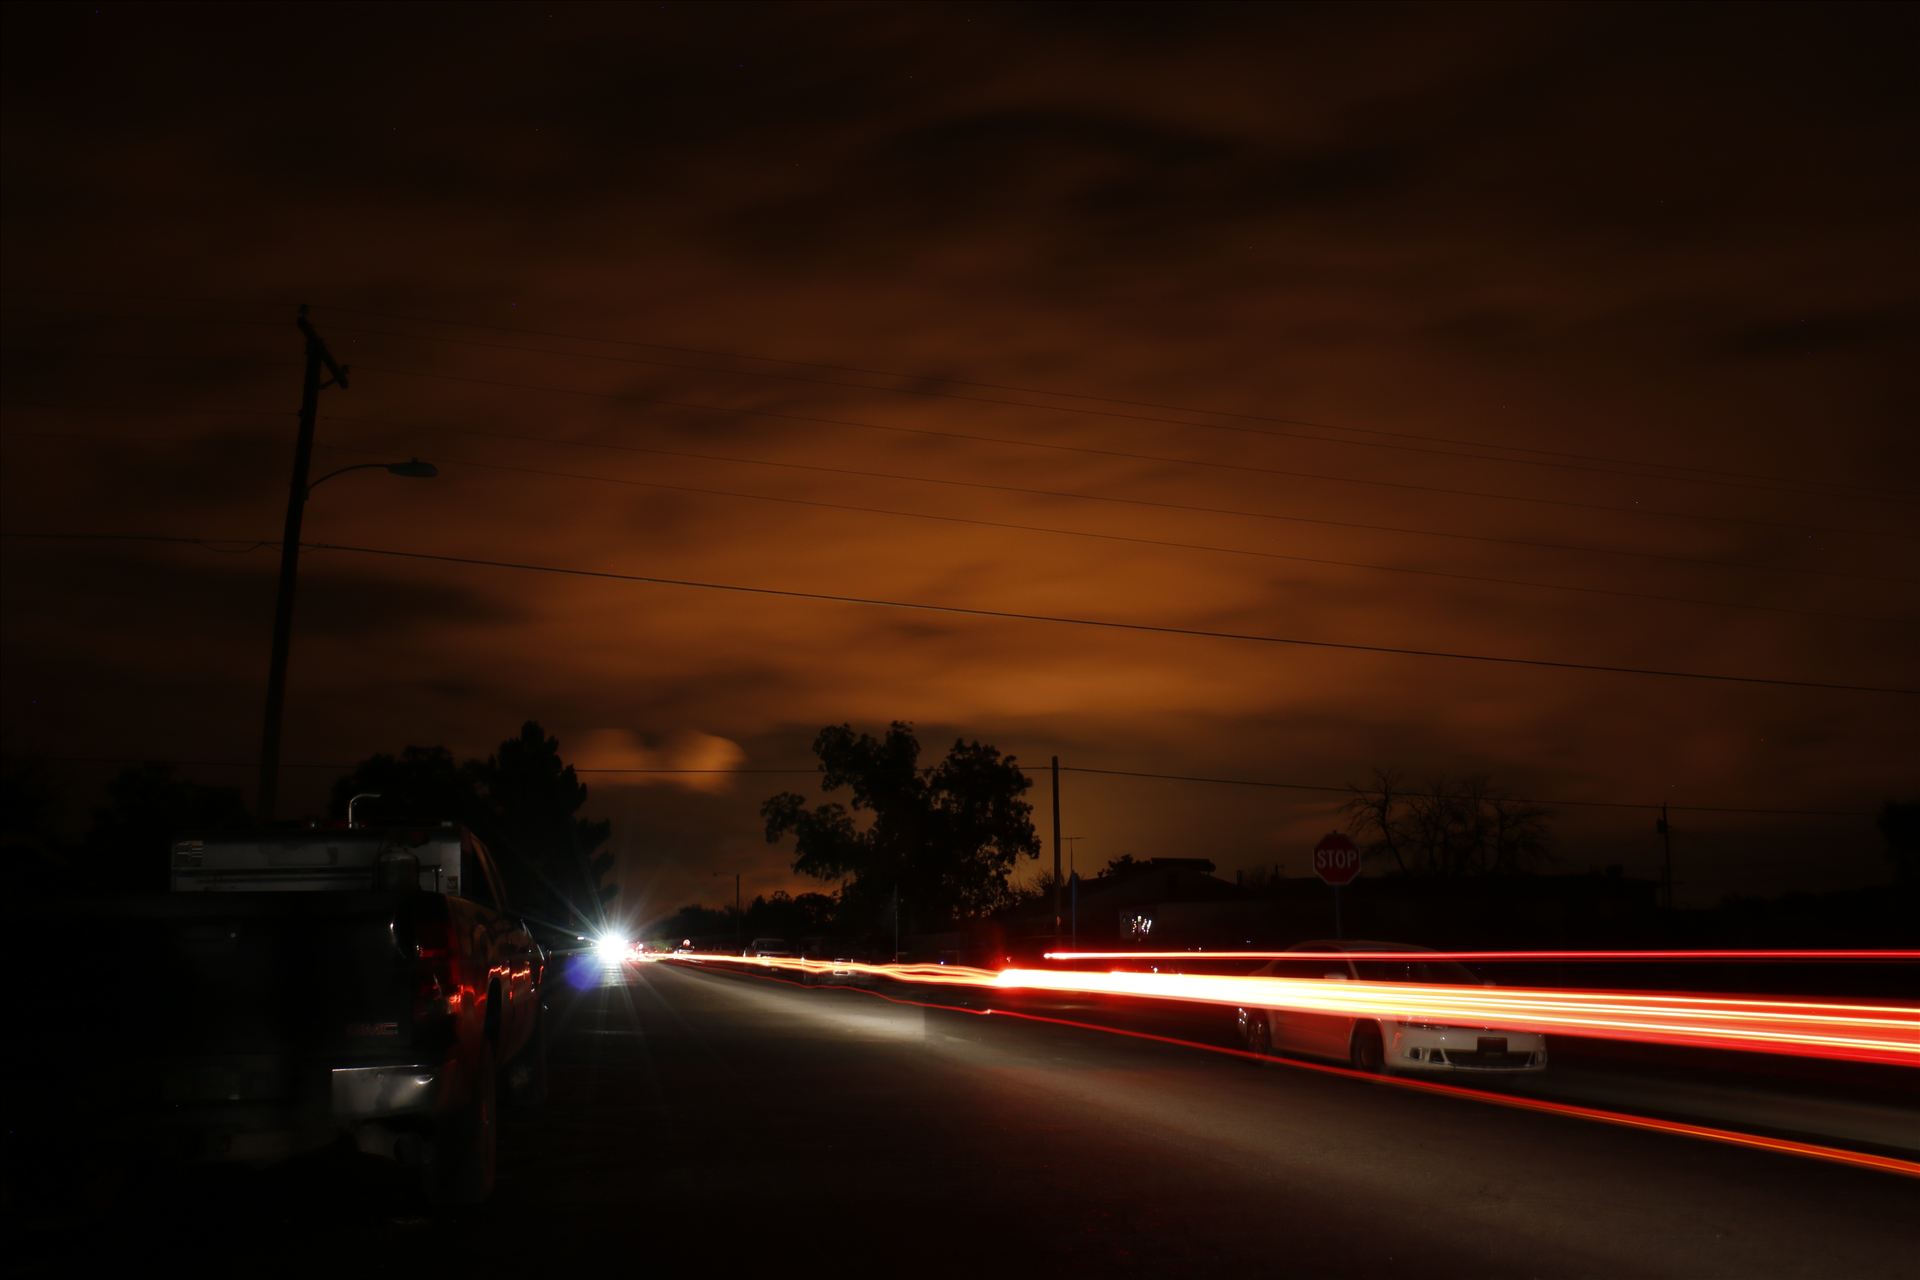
[1428,795]
[1736,480]
[1145,628]
[344,768]
[1145,404]
[1150,419]
[973,521]
[1573,460]
[1153,504]
[1259,783]
[1012,526]
[1127,455]
[1150,503]
[1016,442]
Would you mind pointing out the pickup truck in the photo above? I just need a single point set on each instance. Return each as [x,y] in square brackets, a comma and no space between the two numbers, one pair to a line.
[299,990]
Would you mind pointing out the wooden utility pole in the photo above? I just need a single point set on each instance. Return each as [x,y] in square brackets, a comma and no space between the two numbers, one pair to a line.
[318,358]
[1056,851]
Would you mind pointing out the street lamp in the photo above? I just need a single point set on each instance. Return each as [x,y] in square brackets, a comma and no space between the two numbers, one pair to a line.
[318,359]
[412,469]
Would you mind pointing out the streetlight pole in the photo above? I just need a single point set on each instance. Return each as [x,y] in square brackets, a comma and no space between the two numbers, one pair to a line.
[318,358]
[1073,888]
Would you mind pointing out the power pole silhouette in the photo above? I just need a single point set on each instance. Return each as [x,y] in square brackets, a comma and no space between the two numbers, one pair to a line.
[318,357]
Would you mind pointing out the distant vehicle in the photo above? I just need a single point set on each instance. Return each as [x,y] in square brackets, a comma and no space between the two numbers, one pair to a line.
[301,989]
[1370,1044]
[770,949]
[845,974]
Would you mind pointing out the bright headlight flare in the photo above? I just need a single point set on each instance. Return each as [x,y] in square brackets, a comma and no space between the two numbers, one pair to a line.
[1886,1034]
[612,947]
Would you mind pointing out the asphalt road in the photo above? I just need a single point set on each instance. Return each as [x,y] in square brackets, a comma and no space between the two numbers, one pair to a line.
[704,1125]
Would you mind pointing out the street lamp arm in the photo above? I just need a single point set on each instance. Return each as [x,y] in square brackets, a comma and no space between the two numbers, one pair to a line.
[340,471]
[412,468]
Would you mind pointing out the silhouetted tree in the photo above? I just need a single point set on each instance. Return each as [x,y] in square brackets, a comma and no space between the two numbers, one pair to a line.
[523,801]
[1377,815]
[944,839]
[702,925]
[1899,824]
[31,850]
[421,784]
[130,847]
[1453,828]
[536,797]
[782,915]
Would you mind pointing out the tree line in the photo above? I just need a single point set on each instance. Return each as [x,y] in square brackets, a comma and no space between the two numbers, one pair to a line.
[523,800]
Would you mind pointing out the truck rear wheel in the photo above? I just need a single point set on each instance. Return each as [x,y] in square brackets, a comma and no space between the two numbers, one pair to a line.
[460,1169]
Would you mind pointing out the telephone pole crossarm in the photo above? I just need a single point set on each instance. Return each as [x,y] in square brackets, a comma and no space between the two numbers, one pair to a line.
[317,347]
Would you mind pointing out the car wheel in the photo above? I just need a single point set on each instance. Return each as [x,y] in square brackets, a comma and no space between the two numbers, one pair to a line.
[460,1169]
[1365,1050]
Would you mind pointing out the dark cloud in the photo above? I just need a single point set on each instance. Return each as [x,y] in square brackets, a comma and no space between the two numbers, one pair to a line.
[1841,332]
[1674,235]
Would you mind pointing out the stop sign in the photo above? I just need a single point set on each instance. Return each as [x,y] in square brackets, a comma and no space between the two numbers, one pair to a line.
[1336,859]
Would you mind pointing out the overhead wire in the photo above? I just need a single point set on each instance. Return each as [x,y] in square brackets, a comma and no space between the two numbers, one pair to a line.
[1029,491]
[1112,624]
[1129,539]
[1346,789]
[1017,442]
[1128,455]
[1568,460]
[922,377]
[1085,534]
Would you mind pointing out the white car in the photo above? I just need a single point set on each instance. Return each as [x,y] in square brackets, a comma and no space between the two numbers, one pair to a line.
[1373,1044]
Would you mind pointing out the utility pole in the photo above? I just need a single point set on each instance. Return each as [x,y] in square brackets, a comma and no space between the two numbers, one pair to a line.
[1056,851]
[739,918]
[1073,889]
[318,357]
[1666,848]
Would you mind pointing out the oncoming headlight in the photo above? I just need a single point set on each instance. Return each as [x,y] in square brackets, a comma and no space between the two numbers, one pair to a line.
[612,947]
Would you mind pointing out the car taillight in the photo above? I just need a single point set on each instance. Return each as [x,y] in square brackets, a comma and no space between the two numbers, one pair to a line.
[436,972]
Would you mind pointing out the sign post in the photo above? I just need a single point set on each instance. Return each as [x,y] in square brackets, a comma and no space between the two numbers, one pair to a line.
[1336,860]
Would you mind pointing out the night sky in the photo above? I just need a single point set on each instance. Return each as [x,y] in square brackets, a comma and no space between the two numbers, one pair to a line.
[666,290]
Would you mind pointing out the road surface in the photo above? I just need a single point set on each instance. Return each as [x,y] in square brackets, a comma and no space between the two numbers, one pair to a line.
[705,1124]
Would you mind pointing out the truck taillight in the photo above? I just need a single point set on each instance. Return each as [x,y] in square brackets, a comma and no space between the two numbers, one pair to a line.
[436,973]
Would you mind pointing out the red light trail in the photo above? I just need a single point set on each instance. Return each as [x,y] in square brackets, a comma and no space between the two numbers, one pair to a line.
[1618,957]
[1856,1032]
[956,976]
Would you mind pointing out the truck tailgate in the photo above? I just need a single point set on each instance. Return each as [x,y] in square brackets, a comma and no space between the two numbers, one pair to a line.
[172,1005]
